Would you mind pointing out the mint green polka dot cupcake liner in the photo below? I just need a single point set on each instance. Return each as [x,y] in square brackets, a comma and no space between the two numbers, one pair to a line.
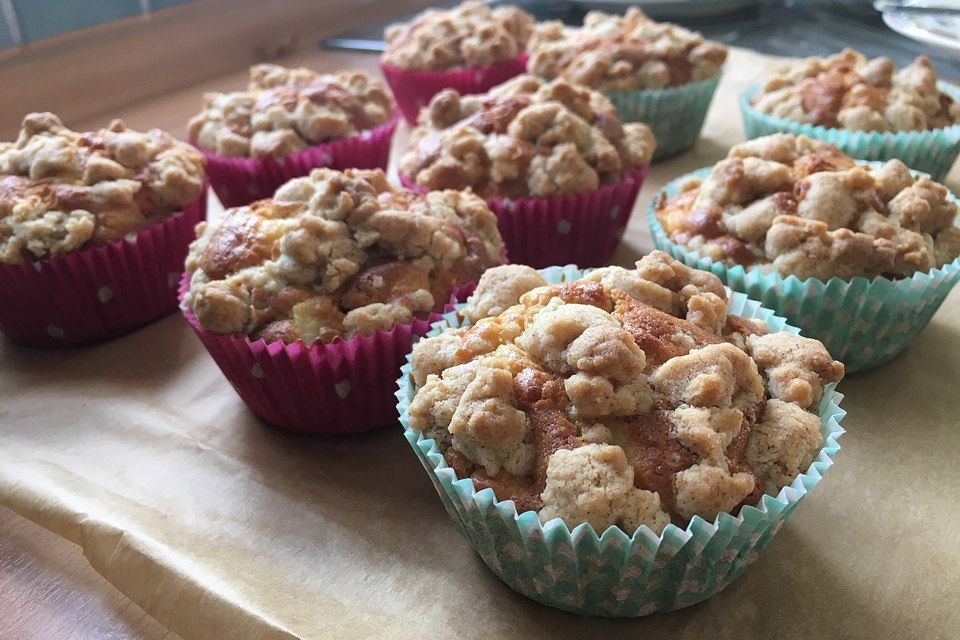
[932,151]
[612,573]
[675,115]
[863,323]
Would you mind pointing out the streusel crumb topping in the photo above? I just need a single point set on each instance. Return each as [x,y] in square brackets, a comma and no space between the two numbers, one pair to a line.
[623,53]
[801,207]
[850,91]
[336,255]
[63,190]
[526,137]
[283,111]
[628,397]
[469,35]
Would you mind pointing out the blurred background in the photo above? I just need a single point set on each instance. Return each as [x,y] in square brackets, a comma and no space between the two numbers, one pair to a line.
[780,27]
[86,58]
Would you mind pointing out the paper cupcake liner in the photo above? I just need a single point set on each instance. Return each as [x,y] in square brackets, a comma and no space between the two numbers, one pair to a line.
[239,181]
[863,323]
[342,387]
[101,292]
[615,574]
[413,88]
[675,115]
[932,151]
[580,228]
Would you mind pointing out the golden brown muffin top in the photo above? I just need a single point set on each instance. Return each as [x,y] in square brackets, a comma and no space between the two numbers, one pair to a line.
[526,137]
[850,91]
[623,53]
[468,35]
[799,206]
[336,255]
[63,190]
[628,397]
[283,111]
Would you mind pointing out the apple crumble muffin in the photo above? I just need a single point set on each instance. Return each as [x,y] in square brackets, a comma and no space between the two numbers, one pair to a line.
[469,35]
[623,53]
[526,137]
[63,190]
[283,111]
[628,397]
[850,91]
[336,254]
[799,206]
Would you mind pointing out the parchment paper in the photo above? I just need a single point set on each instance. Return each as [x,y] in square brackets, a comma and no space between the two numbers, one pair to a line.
[222,527]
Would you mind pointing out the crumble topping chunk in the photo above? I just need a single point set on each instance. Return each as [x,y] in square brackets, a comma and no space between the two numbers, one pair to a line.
[283,111]
[799,206]
[584,402]
[623,53]
[500,288]
[336,254]
[594,484]
[525,137]
[468,35]
[61,190]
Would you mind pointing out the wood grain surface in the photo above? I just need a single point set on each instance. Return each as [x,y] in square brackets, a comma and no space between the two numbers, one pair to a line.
[48,591]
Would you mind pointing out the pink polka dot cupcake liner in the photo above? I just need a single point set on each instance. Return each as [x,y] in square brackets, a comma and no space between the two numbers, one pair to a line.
[101,292]
[413,88]
[240,181]
[580,228]
[341,387]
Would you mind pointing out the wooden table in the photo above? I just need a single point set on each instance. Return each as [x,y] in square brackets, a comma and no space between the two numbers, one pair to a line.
[48,591]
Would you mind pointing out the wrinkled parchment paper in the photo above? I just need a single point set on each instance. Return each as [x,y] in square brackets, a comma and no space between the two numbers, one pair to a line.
[222,527]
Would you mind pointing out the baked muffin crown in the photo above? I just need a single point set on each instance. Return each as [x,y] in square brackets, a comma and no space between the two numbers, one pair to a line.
[61,190]
[526,137]
[283,111]
[801,207]
[468,35]
[623,53]
[628,397]
[850,91]
[336,255]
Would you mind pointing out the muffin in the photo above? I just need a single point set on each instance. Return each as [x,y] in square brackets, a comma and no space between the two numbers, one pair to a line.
[309,300]
[552,159]
[864,106]
[838,248]
[287,122]
[631,405]
[92,227]
[653,72]
[470,48]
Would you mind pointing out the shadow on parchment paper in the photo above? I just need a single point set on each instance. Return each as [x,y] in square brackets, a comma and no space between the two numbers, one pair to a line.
[334,476]
[161,349]
[790,583]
